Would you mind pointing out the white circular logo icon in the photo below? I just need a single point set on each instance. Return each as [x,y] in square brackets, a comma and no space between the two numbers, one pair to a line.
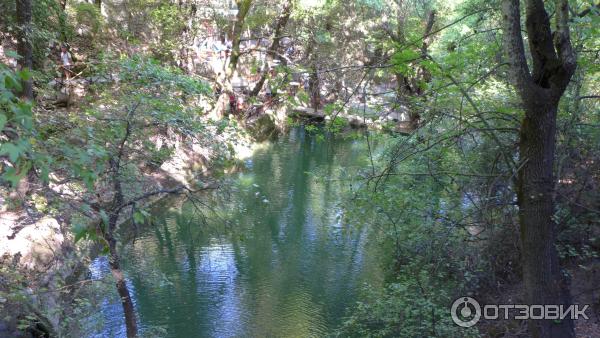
[465,311]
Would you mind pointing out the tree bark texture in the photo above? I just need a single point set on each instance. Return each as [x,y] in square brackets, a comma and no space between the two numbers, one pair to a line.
[24,46]
[407,86]
[122,290]
[271,52]
[224,80]
[109,234]
[553,64]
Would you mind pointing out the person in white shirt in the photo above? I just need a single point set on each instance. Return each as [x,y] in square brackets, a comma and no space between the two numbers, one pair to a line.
[67,61]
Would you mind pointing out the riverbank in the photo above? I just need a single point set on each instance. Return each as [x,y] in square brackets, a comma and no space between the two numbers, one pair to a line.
[40,246]
[41,264]
[150,121]
[41,253]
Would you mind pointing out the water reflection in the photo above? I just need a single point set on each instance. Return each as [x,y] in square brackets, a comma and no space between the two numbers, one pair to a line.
[276,262]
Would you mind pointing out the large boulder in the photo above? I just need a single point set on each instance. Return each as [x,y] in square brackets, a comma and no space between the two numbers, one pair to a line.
[36,245]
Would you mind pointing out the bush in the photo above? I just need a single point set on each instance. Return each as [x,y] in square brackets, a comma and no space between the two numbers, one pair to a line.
[414,306]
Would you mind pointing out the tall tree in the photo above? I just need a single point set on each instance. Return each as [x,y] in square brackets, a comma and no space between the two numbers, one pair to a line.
[243,9]
[553,64]
[272,51]
[24,46]
[25,63]
[224,79]
[410,85]
[109,235]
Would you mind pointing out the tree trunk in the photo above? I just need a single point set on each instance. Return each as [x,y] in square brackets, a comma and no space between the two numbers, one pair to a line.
[225,79]
[115,268]
[281,23]
[243,8]
[126,302]
[423,74]
[542,277]
[540,91]
[261,82]
[314,86]
[25,50]
[24,47]
[109,236]
[412,86]
[185,61]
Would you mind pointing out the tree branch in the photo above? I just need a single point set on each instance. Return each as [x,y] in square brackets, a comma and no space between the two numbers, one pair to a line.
[588,10]
[562,41]
[541,47]
[513,43]
[177,190]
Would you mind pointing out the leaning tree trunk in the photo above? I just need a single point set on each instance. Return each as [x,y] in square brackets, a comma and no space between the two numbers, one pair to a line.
[225,79]
[109,234]
[115,261]
[553,64]
[122,290]
[271,52]
[24,46]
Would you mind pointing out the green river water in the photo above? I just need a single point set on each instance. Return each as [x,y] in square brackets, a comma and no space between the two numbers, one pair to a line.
[273,259]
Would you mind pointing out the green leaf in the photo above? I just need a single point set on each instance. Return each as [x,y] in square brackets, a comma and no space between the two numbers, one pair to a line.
[24,74]
[138,217]
[11,150]
[80,231]
[406,55]
[10,175]
[303,97]
[11,83]
[105,250]
[430,66]
[6,95]
[44,173]
[329,108]
[2,121]
[13,175]
[104,217]
[12,54]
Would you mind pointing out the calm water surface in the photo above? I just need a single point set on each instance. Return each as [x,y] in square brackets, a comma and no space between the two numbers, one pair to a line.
[272,259]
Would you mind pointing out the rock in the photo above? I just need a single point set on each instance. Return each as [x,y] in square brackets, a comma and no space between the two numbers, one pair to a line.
[262,128]
[37,244]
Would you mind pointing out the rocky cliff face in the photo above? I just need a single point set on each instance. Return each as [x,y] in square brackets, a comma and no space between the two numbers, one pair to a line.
[36,257]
